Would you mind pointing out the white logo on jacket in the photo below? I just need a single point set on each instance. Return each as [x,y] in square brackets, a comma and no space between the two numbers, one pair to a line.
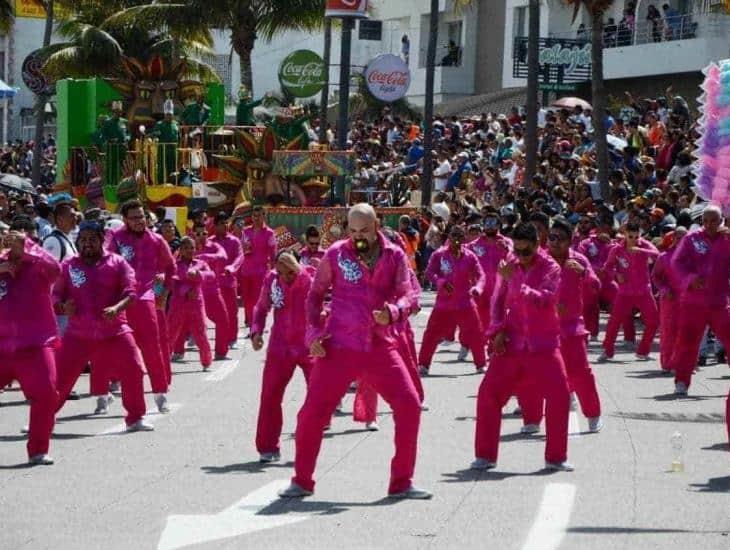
[78,276]
[277,295]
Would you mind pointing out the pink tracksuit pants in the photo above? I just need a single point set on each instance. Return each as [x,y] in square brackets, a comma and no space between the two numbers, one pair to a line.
[116,358]
[623,308]
[668,324]
[440,326]
[189,318]
[534,373]
[692,320]
[142,317]
[231,301]
[573,350]
[250,290]
[383,368]
[592,310]
[217,313]
[35,370]
[278,371]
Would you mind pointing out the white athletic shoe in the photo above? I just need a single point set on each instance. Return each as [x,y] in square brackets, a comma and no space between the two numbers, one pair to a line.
[161,402]
[530,429]
[372,427]
[595,424]
[463,354]
[517,411]
[640,357]
[481,370]
[680,388]
[482,464]
[425,407]
[178,357]
[102,405]
[423,371]
[559,466]
[266,458]
[412,493]
[295,491]
[140,426]
[573,402]
[603,358]
[41,460]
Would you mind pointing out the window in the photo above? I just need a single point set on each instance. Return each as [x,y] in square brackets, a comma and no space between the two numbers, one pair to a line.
[520,23]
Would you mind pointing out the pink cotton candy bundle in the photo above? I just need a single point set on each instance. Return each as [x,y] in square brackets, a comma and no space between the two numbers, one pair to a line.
[712,167]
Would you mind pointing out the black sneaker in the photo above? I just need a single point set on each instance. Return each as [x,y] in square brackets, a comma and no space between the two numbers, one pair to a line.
[73,396]
[702,361]
[721,357]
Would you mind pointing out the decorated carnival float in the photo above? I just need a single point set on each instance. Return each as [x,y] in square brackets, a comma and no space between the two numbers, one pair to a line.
[156,135]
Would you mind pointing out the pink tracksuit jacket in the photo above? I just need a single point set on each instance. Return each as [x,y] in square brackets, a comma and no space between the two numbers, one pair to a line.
[698,256]
[263,250]
[571,302]
[464,273]
[26,311]
[234,259]
[309,258]
[634,266]
[490,253]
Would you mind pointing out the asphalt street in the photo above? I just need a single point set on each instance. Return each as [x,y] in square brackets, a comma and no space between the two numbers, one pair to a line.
[196,481]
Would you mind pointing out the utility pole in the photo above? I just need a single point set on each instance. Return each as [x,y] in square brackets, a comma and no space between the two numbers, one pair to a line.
[427,175]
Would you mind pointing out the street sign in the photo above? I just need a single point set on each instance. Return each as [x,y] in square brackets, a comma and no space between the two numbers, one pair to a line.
[370,30]
[301,73]
[388,77]
[346,8]
[557,87]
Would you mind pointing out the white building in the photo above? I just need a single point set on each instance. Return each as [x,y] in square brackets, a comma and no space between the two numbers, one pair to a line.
[637,57]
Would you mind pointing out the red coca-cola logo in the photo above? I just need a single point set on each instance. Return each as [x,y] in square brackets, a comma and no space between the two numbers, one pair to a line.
[393,78]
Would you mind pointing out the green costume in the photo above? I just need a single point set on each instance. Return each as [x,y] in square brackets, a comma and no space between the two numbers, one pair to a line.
[244,112]
[195,114]
[290,130]
[112,138]
[168,134]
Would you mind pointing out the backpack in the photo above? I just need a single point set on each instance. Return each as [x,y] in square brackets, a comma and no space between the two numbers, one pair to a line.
[67,247]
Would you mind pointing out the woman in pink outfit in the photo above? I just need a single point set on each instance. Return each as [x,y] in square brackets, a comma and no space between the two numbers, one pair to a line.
[229,278]
[285,291]
[187,307]
[259,249]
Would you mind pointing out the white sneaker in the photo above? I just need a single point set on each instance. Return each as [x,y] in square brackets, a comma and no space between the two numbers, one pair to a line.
[295,491]
[425,407]
[680,388]
[463,354]
[41,460]
[595,424]
[603,358]
[372,427]
[446,342]
[178,357]
[161,402]
[559,466]
[517,411]
[530,429]
[482,464]
[423,371]
[233,346]
[266,458]
[338,408]
[140,426]
[640,357]
[412,493]
[102,405]
[481,370]
[573,402]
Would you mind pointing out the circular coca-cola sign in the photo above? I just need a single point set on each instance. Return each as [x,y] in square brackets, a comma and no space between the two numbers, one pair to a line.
[388,77]
[302,73]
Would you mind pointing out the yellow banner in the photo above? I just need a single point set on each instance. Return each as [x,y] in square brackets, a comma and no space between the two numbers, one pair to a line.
[35,9]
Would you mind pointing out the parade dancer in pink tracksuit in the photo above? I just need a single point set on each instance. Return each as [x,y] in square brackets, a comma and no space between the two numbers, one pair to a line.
[259,249]
[456,273]
[311,254]
[215,308]
[28,332]
[94,290]
[365,405]
[628,264]
[490,249]
[575,273]
[367,277]
[702,265]
[152,262]
[525,345]
[187,305]
[229,277]
[666,284]
[285,290]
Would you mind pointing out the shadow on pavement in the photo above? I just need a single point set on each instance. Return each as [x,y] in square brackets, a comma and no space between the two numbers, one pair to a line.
[21,466]
[673,397]
[90,416]
[673,417]
[631,531]
[322,508]
[648,374]
[717,447]
[60,437]
[468,475]
[253,467]
[713,485]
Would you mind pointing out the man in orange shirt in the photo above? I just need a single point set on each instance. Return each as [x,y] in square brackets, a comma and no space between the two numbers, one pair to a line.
[411,238]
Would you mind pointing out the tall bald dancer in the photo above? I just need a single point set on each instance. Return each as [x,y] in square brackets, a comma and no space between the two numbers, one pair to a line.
[367,277]
[152,262]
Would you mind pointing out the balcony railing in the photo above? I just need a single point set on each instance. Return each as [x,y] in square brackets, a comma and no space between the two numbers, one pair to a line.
[680,27]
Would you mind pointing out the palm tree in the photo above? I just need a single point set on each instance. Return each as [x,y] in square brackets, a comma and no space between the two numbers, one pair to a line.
[595,10]
[433,30]
[40,105]
[6,15]
[533,69]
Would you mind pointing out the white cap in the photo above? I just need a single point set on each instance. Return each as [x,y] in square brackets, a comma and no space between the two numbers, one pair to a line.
[169,107]
[442,210]
[117,105]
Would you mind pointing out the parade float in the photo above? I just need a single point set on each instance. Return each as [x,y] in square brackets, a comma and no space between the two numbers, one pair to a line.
[156,135]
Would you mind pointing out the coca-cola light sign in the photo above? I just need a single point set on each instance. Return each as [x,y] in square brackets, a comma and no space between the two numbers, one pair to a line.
[302,73]
[346,8]
[388,77]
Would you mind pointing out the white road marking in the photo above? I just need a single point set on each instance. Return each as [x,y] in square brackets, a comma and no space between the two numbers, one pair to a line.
[241,518]
[553,517]
[220,371]
[152,416]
